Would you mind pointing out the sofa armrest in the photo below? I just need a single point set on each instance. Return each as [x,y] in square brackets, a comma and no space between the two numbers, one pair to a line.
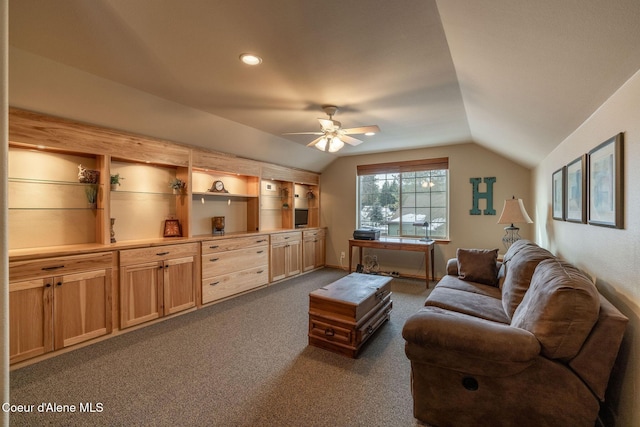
[468,344]
[452,267]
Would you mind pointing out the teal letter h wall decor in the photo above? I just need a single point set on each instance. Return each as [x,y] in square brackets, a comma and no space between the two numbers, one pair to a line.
[487,195]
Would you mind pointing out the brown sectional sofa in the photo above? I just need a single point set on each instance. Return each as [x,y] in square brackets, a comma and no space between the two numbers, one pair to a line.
[524,342]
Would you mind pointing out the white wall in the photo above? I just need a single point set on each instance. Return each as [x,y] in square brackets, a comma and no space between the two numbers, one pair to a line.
[338,198]
[611,256]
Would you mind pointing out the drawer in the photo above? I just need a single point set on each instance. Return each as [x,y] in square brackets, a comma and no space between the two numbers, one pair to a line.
[219,263]
[230,284]
[286,237]
[221,245]
[312,234]
[44,267]
[328,330]
[157,253]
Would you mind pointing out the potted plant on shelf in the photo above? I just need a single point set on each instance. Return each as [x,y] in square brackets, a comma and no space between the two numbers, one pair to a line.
[115,181]
[177,185]
[91,191]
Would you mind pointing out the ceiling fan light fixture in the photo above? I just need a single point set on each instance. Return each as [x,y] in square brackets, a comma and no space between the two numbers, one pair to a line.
[370,133]
[335,144]
[322,144]
[250,59]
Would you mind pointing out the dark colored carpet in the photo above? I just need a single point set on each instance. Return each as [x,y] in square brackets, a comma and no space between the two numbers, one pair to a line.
[242,362]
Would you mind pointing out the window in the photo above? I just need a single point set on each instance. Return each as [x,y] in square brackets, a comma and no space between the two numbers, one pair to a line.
[395,197]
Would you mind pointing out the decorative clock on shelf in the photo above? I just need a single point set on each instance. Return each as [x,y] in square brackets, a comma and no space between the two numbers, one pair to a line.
[218,187]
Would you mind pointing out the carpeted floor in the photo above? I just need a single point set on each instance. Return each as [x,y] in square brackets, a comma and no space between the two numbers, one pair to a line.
[242,362]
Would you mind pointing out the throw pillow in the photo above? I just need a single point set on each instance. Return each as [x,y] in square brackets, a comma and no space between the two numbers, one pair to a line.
[478,265]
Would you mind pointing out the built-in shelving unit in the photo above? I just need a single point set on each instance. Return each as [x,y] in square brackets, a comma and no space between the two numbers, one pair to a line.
[48,206]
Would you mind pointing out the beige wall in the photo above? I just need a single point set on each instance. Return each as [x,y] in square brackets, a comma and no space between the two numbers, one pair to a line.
[611,256]
[338,185]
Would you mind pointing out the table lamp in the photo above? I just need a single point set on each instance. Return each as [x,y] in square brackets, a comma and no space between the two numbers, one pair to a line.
[513,212]
[424,224]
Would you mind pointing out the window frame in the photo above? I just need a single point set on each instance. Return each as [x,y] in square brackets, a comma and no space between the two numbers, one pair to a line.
[398,169]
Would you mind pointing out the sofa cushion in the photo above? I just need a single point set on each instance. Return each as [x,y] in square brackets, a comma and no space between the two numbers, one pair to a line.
[519,263]
[478,265]
[560,309]
[453,282]
[471,303]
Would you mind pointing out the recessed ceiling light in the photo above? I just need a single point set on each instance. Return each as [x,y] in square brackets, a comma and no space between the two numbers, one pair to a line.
[370,133]
[250,59]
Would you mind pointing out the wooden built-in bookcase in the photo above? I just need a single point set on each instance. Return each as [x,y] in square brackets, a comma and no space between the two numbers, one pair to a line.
[48,206]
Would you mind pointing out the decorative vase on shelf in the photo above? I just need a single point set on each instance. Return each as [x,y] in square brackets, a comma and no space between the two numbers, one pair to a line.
[217,224]
[113,233]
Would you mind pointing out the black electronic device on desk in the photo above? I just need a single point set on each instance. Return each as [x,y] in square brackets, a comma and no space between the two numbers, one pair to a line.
[366,234]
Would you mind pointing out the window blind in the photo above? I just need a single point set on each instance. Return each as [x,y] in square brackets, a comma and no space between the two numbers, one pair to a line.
[407,166]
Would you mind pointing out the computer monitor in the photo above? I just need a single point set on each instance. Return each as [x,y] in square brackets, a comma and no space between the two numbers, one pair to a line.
[301,218]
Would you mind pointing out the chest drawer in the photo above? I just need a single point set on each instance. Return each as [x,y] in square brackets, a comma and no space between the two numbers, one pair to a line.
[215,264]
[157,253]
[21,270]
[286,237]
[234,283]
[221,245]
[312,234]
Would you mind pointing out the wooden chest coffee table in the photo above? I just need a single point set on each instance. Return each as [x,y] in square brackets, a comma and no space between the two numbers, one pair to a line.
[344,314]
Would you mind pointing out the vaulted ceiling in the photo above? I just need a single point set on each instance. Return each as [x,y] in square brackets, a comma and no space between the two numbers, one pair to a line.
[516,76]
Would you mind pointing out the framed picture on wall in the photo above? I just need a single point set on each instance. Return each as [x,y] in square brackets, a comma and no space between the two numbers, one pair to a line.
[557,194]
[575,197]
[606,187]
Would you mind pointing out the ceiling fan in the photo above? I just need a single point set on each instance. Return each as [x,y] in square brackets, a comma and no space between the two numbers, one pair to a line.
[331,136]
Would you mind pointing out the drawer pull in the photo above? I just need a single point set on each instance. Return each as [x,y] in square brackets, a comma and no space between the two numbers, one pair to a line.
[287,237]
[329,332]
[55,267]
[260,241]
[214,283]
[214,247]
[369,330]
[214,259]
[162,253]
[259,252]
[380,295]
[260,272]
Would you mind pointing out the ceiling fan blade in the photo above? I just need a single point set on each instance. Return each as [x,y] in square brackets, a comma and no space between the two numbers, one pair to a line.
[349,140]
[315,141]
[363,129]
[303,133]
[329,125]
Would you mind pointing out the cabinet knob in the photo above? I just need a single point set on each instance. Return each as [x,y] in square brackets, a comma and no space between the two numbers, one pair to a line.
[48,285]
[59,284]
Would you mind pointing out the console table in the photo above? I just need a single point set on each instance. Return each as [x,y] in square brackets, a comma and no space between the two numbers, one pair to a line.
[397,244]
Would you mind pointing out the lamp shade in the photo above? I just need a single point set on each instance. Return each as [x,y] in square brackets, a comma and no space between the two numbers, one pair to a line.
[514,212]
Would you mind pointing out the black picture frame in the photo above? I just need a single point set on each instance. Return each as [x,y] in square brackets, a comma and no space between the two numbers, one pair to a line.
[606,186]
[575,190]
[557,194]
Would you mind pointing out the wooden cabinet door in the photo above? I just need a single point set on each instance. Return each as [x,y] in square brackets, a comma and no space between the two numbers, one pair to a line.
[179,285]
[294,258]
[278,261]
[141,293]
[319,252]
[308,254]
[31,318]
[82,307]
